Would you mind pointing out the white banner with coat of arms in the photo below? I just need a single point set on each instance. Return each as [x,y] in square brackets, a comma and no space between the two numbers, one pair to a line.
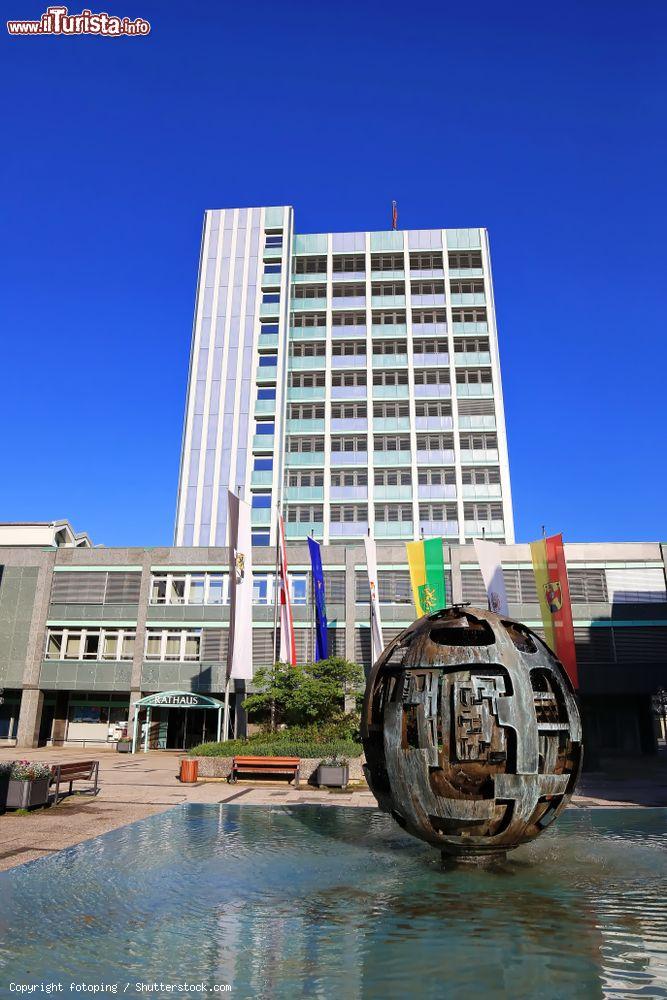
[488,557]
[239,658]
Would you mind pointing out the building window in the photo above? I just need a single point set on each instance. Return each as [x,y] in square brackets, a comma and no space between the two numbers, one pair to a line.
[89,644]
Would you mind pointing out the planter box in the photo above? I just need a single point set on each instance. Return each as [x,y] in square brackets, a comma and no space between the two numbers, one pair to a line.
[334,777]
[123,748]
[24,794]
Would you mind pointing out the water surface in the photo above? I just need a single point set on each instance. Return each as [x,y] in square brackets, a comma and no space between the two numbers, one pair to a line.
[338,902]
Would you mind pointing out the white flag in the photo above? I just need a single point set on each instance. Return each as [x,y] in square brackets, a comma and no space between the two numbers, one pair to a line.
[377,642]
[287,639]
[488,557]
[239,657]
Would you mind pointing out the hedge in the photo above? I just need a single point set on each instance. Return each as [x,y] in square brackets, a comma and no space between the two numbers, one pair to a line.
[276,746]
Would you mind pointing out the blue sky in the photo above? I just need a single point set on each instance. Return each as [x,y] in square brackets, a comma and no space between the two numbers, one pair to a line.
[546,125]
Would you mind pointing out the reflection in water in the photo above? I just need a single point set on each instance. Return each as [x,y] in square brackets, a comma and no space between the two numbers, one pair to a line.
[322,901]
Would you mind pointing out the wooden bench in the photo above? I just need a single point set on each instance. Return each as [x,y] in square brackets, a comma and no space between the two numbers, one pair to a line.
[79,770]
[266,765]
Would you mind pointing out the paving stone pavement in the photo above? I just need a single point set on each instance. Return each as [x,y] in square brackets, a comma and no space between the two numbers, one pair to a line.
[133,787]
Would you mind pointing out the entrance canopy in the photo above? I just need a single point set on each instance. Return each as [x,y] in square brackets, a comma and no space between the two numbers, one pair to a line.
[173,699]
[178,699]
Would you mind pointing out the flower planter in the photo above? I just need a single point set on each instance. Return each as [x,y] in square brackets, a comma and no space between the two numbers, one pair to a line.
[123,747]
[333,776]
[24,794]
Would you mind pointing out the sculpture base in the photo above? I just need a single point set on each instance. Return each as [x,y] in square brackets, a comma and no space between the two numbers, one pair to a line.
[485,859]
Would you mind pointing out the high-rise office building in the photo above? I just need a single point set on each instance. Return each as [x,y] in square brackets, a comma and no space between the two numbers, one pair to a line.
[352,378]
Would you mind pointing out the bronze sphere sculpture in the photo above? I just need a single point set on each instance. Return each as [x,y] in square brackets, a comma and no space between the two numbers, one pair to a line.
[471,732]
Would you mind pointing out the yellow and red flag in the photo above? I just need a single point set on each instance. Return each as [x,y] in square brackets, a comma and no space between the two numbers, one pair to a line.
[553,593]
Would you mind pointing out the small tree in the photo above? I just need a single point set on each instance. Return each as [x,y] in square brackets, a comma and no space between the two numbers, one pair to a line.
[305,694]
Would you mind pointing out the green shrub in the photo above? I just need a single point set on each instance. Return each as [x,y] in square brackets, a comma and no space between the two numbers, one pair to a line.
[281,744]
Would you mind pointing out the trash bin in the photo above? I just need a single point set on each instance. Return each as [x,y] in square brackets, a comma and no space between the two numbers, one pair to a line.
[189,769]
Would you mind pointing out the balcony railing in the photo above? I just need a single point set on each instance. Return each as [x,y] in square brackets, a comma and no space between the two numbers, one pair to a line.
[441,423]
[436,491]
[268,340]
[308,333]
[439,457]
[349,423]
[442,390]
[302,529]
[468,299]
[272,253]
[472,358]
[349,391]
[489,528]
[387,275]
[271,280]
[348,361]
[486,422]
[304,493]
[302,305]
[392,458]
[431,360]
[428,329]
[391,392]
[449,529]
[466,272]
[393,529]
[308,279]
[261,477]
[305,426]
[474,389]
[303,393]
[428,299]
[315,363]
[348,302]
[265,407]
[269,309]
[339,458]
[309,458]
[482,491]
[348,492]
[266,373]
[391,424]
[427,272]
[389,330]
[392,492]
[348,332]
[480,326]
[389,361]
[263,442]
[355,529]
[388,301]
[348,276]
[478,455]
[260,516]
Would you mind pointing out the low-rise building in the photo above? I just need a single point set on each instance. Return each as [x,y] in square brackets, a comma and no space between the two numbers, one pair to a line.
[86,632]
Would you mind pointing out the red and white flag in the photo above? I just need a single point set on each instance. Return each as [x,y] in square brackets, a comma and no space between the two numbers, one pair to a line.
[394,215]
[287,641]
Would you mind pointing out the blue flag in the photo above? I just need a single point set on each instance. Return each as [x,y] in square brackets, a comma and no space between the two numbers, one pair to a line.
[322,643]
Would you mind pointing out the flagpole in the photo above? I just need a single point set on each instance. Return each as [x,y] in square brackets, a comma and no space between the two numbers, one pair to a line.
[225,724]
[275,590]
[370,607]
